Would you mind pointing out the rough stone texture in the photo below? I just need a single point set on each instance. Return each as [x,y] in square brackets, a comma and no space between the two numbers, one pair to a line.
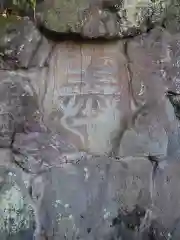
[19,45]
[102,18]
[154,127]
[93,188]
[89,165]
[16,216]
[79,103]
[171,19]
[16,94]
[12,206]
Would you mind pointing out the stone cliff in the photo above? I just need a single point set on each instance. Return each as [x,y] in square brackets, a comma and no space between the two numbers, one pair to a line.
[89,119]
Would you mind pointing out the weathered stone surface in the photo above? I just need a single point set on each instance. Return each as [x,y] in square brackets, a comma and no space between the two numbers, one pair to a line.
[18,106]
[155,130]
[60,121]
[86,90]
[22,45]
[96,79]
[16,214]
[166,197]
[94,189]
[37,146]
[102,18]
[171,19]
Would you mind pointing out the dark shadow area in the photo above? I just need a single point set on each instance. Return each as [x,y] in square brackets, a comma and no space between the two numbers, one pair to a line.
[78,38]
[127,227]
[72,36]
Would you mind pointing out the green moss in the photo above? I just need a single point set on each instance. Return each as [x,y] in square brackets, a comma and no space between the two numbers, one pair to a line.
[64,15]
[15,214]
[6,22]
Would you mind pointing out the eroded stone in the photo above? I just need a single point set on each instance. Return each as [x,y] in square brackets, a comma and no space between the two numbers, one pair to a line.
[166,199]
[22,45]
[94,188]
[89,91]
[103,18]
[18,105]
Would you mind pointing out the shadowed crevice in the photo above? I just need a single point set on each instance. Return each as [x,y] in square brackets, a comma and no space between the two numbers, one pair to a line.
[79,38]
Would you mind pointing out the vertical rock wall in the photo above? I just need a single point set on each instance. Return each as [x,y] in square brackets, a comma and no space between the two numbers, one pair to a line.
[89,140]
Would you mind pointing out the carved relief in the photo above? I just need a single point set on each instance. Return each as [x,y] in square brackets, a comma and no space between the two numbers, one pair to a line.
[83,96]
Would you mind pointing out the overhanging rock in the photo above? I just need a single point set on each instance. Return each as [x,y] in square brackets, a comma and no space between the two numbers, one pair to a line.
[102,18]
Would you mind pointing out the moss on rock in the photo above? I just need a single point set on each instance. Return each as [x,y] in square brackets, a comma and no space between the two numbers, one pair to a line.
[5,22]
[63,15]
[15,214]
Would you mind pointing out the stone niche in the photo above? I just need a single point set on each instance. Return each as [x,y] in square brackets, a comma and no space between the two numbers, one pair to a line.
[87,93]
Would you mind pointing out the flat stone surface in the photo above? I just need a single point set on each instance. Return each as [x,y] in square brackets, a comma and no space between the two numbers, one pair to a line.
[155,130]
[166,199]
[79,104]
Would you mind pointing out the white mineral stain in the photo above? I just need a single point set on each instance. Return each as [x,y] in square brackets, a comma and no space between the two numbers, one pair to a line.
[14,210]
[66,205]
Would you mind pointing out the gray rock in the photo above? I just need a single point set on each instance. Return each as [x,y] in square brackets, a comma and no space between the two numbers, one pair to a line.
[156,130]
[18,105]
[97,191]
[102,18]
[22,45]
[94,188]
[171,19]
[166,199]
[60,112]
[37,148]
[16,213]
[82,100]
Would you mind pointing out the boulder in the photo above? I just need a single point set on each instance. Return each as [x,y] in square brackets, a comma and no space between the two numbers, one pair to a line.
[171,18]
[102,18]
[16,212]
[95,189]
[19,41]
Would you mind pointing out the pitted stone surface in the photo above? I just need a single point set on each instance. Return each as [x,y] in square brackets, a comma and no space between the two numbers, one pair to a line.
[103,18]
[61,121]
[94,188]
[22,47]
[18,106]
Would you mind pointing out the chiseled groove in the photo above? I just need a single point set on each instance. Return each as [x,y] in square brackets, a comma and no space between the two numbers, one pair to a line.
[155,166]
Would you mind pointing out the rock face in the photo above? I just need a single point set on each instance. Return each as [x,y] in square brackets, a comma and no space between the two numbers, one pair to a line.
[89,139]
[102,18]
[171,19]
[19,44]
